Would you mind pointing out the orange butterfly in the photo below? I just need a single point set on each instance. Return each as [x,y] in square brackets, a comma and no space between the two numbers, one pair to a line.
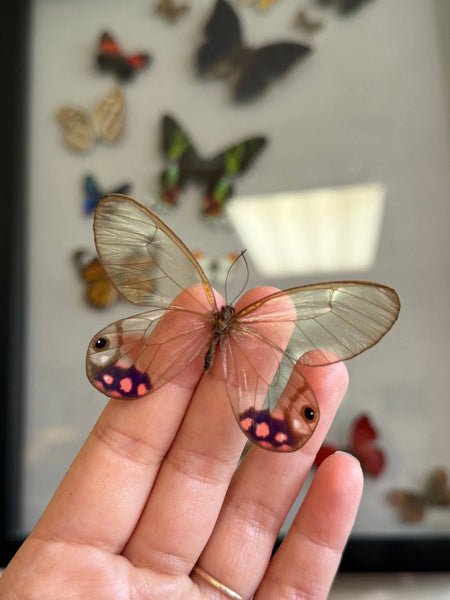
[260,346]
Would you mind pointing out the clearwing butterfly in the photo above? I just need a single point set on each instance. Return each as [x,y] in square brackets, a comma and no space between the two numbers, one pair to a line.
[111,58]
[93,192]
[257,349]
[171,10]
[100,292]
[217,173]
[412,504]
[363,437]
[224,54]
[83,128]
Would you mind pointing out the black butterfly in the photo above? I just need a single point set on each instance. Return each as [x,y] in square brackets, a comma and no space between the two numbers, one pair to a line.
[344,7]
[110,57]
[217,173]
[224,54]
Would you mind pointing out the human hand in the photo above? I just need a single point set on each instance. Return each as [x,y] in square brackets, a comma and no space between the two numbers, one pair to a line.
[155,491]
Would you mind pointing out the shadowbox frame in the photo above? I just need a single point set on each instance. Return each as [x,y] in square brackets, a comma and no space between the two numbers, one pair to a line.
[362,554]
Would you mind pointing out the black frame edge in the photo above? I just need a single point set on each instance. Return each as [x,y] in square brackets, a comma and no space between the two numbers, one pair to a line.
[14,42]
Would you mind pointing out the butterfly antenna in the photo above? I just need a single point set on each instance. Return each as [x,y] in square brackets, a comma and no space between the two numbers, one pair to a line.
[240,255]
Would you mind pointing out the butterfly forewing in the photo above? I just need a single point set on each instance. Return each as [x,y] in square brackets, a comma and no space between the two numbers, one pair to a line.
[146,261]
[339,319]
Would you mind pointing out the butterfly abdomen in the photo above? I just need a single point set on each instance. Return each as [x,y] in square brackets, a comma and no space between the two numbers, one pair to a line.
[119,382]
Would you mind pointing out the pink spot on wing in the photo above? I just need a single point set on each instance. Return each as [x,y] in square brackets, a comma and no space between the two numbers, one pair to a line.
[246,424]
[262,430]
[281,437]
[108,379]
[99,385]
[114,394]
[126,384]
[142,389]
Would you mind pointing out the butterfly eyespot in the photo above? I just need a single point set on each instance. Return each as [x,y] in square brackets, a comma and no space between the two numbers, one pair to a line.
[309,414]
[101,343]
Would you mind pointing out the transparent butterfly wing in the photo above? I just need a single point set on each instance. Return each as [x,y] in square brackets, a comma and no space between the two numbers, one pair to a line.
[109,116]
[137,356]
[79,130]
[341,318]
[145,260]
[329,321]
[273,403]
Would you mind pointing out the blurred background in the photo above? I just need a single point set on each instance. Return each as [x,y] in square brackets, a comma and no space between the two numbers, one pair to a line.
[353,184]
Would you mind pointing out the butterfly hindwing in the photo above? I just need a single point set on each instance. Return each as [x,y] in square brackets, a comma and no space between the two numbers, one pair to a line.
[264,64]
[221,172]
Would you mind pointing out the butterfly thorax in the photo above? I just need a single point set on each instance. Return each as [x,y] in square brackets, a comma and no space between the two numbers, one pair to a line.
[222,321]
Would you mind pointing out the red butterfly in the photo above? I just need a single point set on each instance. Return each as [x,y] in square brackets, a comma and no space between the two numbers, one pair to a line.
[258,348]
[362,438]
[111,58]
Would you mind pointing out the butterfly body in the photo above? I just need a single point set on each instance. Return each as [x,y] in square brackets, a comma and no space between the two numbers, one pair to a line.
[218,173]
[223,53]
[111,58]
[255,349]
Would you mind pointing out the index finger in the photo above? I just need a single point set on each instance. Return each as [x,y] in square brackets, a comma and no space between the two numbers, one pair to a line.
[103,493]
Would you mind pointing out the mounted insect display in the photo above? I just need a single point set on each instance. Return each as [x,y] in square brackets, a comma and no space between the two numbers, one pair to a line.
[412,504]
[362,444]
[93,192]
[83,128]
[171,9]
[311,325]
[224,54]
[217,173]
[100,292]
[111,58]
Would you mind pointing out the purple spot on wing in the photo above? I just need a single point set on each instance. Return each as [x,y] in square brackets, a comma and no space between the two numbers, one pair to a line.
[265,429]
[120,382]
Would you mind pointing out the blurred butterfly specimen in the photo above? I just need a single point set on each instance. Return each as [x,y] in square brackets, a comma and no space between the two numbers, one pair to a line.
[111,58]
[224,54]
[307,23]
[261,4]
[217,173]
[362,445]
[171,9]
[255,350]
[412,504]
[100,292]
[344,7]
[83,128]
[93,192]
